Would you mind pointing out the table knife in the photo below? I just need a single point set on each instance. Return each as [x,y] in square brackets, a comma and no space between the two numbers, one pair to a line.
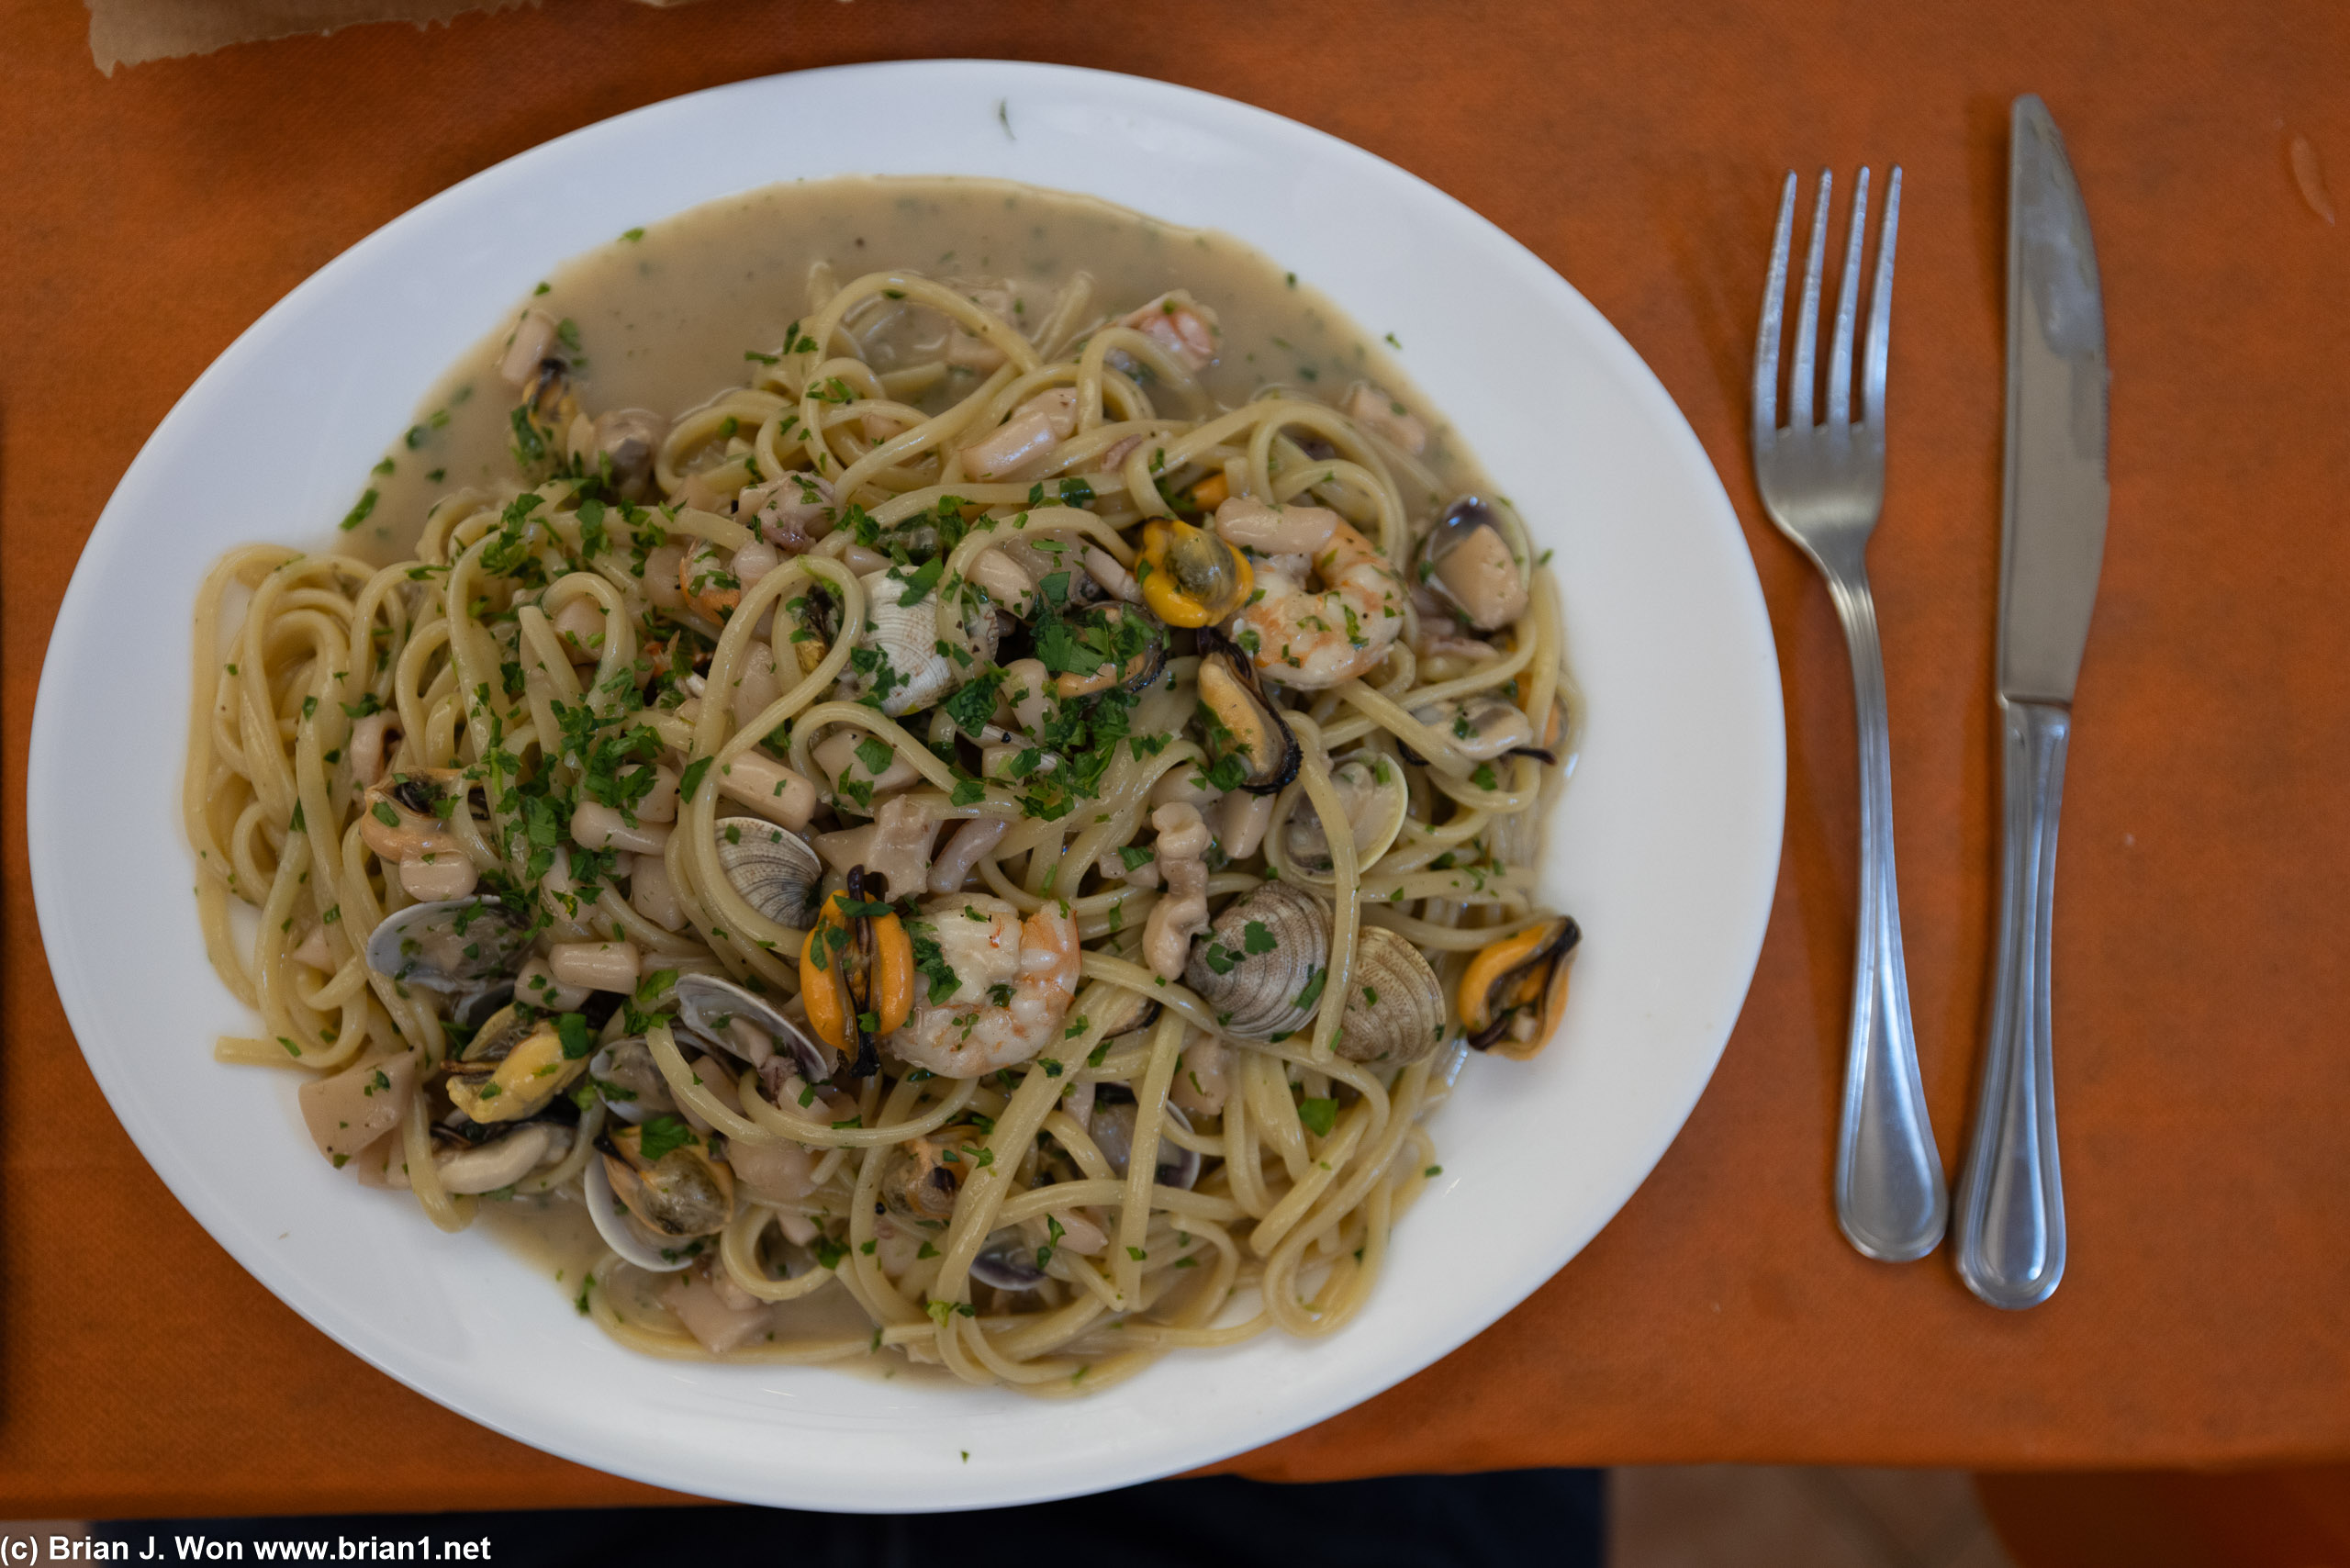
[2011,1196]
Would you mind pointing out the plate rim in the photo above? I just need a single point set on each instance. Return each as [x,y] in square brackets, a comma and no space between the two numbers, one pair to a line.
[74,609]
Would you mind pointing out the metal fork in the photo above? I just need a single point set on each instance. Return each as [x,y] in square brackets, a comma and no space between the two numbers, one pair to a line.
[1824,485]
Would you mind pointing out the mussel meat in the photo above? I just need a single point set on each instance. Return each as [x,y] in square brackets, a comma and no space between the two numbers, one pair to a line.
[1514,991]
[514,1065]
[1191,578]
[857,973]
[1239,720]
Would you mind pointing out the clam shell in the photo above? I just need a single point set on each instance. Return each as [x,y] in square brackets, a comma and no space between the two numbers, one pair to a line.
[777,872]
[1395,1009]
[907,636]
[1007,1262]
[627,1064]
[621,1230]
[449,945]
[682,1194]
[1377,801]
[1111,1128]
[1255,995]
[709,1005]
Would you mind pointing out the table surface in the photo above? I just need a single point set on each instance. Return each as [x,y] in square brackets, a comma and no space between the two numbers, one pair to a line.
[2207,828]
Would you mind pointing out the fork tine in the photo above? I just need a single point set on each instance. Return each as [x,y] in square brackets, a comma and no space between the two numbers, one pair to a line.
[1767,336]
[1800,376]
[1847,299]
[1880,312]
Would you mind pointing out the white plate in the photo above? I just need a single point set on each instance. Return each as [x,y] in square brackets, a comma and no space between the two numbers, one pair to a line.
[1666,849]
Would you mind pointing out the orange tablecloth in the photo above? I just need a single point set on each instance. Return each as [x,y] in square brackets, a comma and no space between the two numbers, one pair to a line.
[2199,1017]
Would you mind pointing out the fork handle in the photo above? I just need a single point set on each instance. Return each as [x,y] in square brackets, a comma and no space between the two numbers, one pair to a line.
[1890,1196]
[2011,1198]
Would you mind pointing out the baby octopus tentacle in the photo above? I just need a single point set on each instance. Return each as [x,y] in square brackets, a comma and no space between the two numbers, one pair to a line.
[1184,912]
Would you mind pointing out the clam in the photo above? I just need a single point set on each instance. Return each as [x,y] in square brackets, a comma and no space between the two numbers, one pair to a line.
[621,1230]
[1371,789]
[514,1064]
[744,1024]
[1043,557]
[625,442]
[898,661]
[776,870]
[404,816]
[1189,576]
[1111,1128]
[625,1074]
[473,1169]
[1261,964]
[460,946]
[1466,561]
[663,1174]
[1008,1264]
[1239,720]
[1515,989]
[1482,728]
[1394,1004]
[925,1176]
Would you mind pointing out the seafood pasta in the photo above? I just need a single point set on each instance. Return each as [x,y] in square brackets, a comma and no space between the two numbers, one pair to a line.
[973,843]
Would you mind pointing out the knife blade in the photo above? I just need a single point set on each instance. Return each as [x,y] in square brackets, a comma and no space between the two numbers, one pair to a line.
[2052,544]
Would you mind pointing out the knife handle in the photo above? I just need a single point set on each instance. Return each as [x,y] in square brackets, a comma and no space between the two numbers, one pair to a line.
[1890,1197]
[2012,1198]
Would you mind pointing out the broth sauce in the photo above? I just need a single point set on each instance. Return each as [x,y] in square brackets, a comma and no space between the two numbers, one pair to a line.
[664,315]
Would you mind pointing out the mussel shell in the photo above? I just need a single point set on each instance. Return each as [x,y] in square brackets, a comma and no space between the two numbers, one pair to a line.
[1253,728]
[449,945]
[1547,960]
[1461,521]
[706,1004]
[1145,667]
[777,872]
[1007,1262]
[1395,1002]
[1257,995]
[1111,1128]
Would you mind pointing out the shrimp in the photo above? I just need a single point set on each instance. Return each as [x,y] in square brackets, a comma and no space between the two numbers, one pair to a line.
[1013,981]
[1298,636]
